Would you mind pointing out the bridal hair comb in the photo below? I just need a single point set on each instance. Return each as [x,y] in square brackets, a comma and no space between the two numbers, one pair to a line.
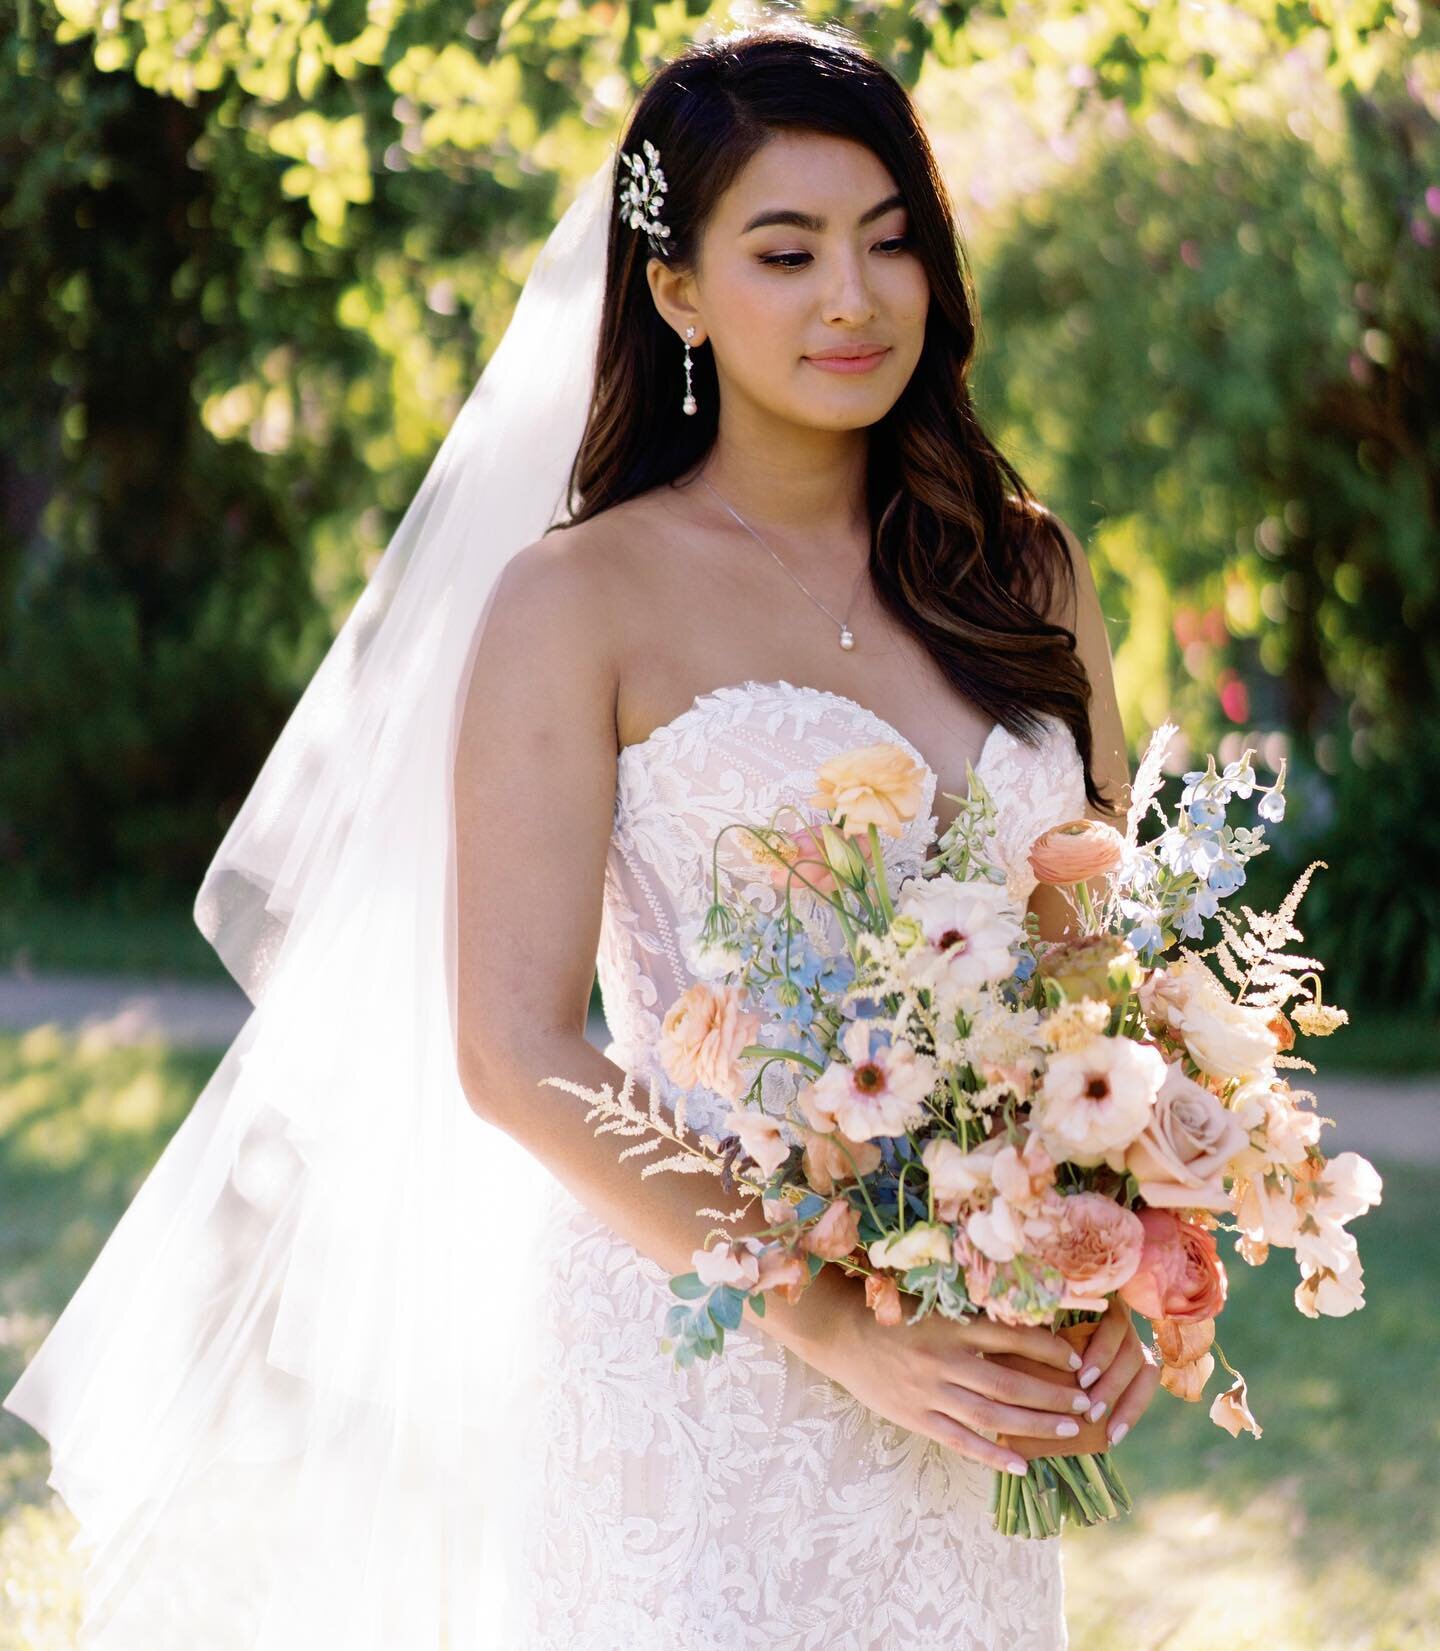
[641,194]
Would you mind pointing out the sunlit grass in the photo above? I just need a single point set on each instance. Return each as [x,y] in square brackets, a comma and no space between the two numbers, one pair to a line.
[1320,1536]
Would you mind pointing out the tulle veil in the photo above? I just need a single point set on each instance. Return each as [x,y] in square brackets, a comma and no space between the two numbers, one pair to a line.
[285,1405]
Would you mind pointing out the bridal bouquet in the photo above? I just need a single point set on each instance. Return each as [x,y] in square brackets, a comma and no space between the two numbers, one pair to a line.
[977,1121]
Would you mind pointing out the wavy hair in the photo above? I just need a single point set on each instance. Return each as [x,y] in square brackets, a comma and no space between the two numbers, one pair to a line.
[961,553]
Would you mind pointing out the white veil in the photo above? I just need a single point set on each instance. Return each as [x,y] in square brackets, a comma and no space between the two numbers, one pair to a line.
[283,1404]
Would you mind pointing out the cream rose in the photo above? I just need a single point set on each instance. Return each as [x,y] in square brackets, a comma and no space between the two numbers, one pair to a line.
[1181,1157]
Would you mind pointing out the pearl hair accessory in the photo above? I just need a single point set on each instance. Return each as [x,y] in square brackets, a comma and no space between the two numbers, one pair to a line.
[641,195]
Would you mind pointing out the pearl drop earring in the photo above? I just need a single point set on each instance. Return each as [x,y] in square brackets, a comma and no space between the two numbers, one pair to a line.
[689,403]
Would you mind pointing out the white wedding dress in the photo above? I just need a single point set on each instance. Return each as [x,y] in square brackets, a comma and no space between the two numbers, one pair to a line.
[749,1502]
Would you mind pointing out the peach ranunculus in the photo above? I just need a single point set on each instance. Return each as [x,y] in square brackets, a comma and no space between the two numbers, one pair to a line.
[702,1035]
[874,1092]
[1181,1158]
[1097,1098]
[1075,851]
[831,1158]
[1180,1275]
[1091,1240]
[880,785]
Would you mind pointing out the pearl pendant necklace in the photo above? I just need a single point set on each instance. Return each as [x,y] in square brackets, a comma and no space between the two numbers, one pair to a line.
[847,636]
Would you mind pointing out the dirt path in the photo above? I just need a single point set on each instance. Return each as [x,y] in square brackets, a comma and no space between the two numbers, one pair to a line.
[1381,1117]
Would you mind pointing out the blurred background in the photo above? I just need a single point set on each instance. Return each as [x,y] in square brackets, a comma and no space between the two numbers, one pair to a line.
[252,259]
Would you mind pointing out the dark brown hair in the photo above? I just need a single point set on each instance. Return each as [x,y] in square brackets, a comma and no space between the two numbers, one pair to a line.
[961,553]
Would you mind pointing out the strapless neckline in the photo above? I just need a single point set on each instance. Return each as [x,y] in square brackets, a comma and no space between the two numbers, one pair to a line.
[702,701]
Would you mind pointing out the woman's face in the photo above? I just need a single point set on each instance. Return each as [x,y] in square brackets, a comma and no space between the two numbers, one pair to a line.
[806,285]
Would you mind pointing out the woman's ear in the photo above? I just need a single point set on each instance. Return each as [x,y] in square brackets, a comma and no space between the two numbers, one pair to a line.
[675,297]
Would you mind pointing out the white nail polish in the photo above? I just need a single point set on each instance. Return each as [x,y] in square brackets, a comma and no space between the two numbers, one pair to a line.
[1097,1410]
[1067,1429]
[1121,1429]
[1074,1361]
[1080,1402]
[1090,1375]
[1017,1467]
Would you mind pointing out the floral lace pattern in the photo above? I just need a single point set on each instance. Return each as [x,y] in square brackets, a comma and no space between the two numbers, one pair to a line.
[750,1501]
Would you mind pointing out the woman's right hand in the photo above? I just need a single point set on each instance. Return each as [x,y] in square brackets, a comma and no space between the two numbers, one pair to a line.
[932,1377]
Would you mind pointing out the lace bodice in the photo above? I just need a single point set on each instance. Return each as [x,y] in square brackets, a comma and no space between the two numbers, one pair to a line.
[738,754]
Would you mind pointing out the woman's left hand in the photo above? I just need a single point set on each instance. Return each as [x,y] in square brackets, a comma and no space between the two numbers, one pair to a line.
[1128,1371]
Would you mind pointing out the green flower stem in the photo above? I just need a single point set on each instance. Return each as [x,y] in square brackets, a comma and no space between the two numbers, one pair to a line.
[877,865]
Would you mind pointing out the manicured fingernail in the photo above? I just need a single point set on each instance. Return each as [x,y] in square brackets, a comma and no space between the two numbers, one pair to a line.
[1097,1410]
[1080,1402]
[1074,1361]
[1090,1375]
[1121,1429]
[1067,1429]
[1017,1466]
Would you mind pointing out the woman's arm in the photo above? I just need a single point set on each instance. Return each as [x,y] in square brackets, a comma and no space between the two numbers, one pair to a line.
[535,776]
[1110,760]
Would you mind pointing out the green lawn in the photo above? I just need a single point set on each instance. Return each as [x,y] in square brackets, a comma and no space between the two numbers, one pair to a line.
[1321,1536]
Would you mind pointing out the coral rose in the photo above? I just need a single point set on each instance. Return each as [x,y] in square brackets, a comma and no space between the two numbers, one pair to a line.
[1181,1158]
[702,1035]
[880,785]
[1180,1275]
[1075,851]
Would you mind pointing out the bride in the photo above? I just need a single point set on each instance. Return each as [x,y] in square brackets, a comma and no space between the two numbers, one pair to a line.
[372,1360]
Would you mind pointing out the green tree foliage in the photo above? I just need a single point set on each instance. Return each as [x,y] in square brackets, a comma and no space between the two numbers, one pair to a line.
[255,256]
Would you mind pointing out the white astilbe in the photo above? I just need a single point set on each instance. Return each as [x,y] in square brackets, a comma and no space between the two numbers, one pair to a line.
[619,1115]
[1149,778]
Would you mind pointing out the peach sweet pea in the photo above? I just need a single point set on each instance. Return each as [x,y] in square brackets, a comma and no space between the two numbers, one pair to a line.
[880,785]
[882,1297]
[835,1234]
[1180,1275]
[1075,851]
[702,1035]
